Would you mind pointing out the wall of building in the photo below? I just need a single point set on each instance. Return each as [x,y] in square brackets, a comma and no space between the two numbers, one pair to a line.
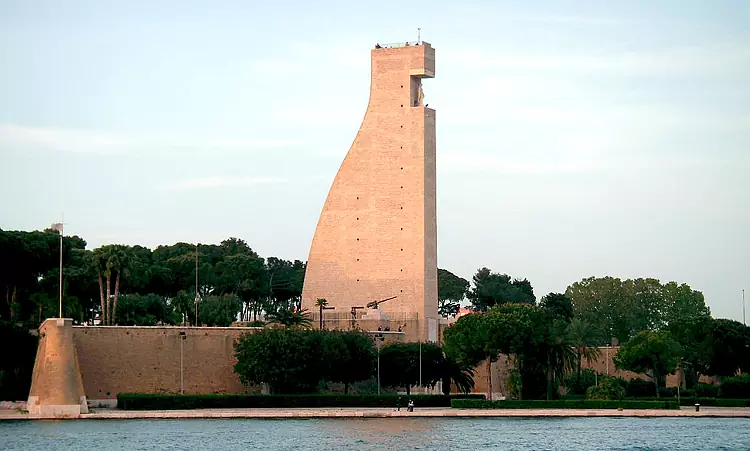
[151,360]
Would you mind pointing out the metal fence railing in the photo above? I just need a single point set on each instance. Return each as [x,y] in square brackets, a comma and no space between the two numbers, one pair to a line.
[394,45]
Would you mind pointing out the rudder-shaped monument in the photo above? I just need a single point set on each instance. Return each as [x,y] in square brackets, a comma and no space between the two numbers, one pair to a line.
[377,234]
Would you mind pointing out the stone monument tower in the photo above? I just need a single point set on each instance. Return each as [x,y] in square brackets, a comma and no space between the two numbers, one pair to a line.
[377,234]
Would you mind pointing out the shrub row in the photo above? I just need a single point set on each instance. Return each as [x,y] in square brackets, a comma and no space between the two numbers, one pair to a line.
[139,401]
[562,404]
[715,402]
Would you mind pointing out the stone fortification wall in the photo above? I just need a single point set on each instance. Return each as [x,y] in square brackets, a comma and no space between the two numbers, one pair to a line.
[147,360]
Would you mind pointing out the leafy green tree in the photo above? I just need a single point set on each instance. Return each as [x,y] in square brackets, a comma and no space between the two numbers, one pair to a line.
[557,305]
[451,291]
[621,309]
[351,356]
[219,310]
[288,360]
[655,354]
[512,329]
[297,360]
[728,348]
[17,362]
[695,336]
[491,289]
[285,283]
[608,389]
[143,310]
[400,365]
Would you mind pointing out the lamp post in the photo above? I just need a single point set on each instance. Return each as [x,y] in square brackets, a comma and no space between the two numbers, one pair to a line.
[378,346]
[323,307]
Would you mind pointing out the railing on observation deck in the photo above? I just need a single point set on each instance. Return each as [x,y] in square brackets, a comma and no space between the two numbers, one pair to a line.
[395,45]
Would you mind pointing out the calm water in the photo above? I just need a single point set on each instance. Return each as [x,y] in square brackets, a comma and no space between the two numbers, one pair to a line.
[382,434]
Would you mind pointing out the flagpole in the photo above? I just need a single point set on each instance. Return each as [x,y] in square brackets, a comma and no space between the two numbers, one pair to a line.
[61,274]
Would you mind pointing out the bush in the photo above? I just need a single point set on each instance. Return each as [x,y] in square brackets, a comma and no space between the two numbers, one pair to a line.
[639,388]
[17,362]
[715,402]
[575,386]
[296,361]
[735,387]
[137,401]
[608,389]
[563,404]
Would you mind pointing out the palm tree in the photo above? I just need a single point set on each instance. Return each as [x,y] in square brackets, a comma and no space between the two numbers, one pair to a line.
[561,355]
[583,337]
[321,303]
[290,318]
[121,261]
[108,261]
[462,376]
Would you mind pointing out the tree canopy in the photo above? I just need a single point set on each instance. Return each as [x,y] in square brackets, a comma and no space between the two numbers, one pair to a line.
[622,308]
[115,280]
[451,291]
[491,289]
[655,354]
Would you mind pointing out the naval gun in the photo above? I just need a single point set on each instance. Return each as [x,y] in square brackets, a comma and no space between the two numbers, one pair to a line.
[375,304]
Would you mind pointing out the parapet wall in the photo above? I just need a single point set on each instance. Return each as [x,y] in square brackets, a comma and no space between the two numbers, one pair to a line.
[158,360]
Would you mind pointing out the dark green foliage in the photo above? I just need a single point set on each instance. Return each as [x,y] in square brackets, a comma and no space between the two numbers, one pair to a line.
[134,401]
[578,386]
[297,360]
[289,317]
[523,331]
[715,402]
[557,304]
[399,364]
[608,389]
[735,387]
[17,355]
[729,348]
[219,310]
[350,355]
[455,373]
[655,354]
[29,280]
[491,289]
[142,310]
[639,388]
[563,404]
[622,308]
[706,390]
[451,291]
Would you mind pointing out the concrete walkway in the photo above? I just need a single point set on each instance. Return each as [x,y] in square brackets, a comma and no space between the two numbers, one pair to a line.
[100,414]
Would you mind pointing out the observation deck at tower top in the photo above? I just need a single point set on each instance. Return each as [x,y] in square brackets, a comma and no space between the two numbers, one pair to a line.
[395,45]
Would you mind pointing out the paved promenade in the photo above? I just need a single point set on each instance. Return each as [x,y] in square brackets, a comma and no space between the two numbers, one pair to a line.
[100,414]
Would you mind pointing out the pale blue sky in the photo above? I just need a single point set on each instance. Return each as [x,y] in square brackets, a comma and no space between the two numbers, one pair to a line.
[575,139]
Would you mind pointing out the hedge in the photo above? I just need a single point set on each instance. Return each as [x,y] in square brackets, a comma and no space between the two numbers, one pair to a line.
[711,402]
[139,401]
[715,402]
[562,404]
